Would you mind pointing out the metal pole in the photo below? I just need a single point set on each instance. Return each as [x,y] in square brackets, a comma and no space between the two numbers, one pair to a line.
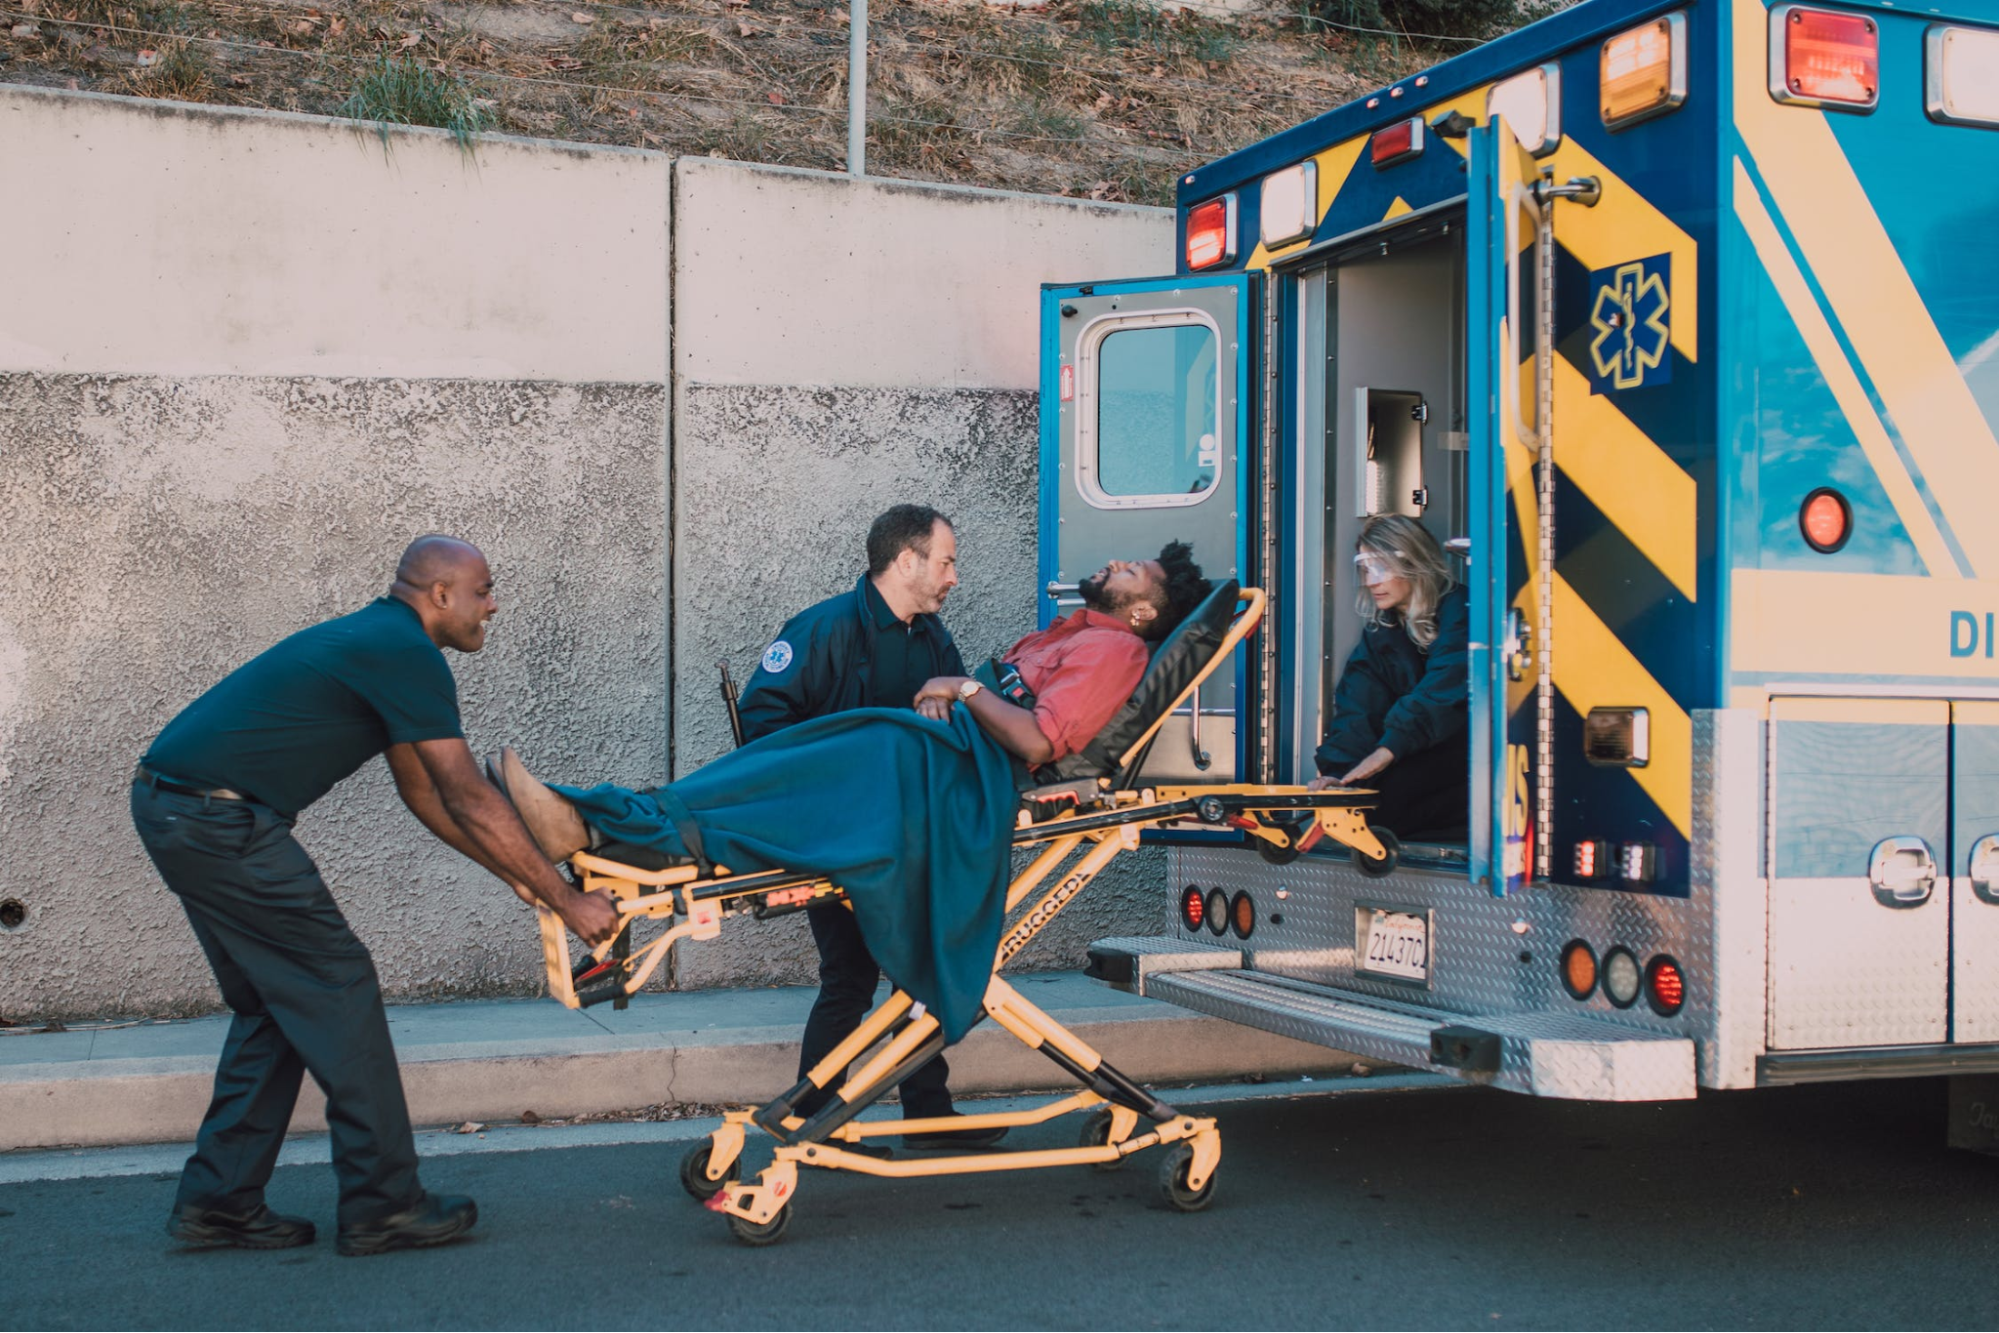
[857,89]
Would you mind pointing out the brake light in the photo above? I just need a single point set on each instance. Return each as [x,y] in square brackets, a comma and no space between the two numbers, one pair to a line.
[1578,970]
[1826,520]
[1642,72]
[1665,986]
[1592,858]
[1398,143]
[1211,232]
[1193,906]
[1824,57]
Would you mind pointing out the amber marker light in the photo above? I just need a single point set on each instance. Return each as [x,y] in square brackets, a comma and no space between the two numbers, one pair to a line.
[1642,72]
[1578,969]
[1824,57]
[1242,915]
[1826,520]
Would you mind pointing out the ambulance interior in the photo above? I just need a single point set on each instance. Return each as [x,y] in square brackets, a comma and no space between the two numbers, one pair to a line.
[1381,429]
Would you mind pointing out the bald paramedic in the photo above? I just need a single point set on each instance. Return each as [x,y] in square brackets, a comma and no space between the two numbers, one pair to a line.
[214,800]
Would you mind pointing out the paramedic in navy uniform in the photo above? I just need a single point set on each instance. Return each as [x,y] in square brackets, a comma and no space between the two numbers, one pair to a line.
[214,800]
[1399,710]
[873,647]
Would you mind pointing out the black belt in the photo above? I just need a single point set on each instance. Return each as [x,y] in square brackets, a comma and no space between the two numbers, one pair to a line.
[152,779]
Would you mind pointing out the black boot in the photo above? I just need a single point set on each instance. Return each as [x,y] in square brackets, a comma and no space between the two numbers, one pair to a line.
[259,1229]
[431,1220]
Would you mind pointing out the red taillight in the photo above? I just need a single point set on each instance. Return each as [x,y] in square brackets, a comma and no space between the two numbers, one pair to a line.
[1665,987]
[1211,232]
[1825,519]
[1397,143]
[1592,858]
[1193,907]
[1829,57]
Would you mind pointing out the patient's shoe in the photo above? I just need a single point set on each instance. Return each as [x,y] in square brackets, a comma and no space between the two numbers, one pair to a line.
[556,826]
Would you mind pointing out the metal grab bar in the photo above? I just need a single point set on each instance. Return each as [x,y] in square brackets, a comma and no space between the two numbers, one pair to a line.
[1202,760]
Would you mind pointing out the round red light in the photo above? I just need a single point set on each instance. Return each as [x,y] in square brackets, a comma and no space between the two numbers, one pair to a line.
[1826,520]
[1665,986]
[1193,906]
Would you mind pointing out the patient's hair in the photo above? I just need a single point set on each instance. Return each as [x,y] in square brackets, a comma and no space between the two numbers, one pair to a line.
[1412,554]
[1185,588]
[903,528]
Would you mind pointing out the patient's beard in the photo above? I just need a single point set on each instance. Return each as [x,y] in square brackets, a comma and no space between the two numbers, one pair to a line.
[1092,591]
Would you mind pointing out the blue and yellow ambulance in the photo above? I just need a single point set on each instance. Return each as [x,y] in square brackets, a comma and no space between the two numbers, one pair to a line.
[1678,325]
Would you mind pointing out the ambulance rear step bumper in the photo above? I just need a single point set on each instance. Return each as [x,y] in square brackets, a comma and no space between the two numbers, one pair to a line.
[1547,1055]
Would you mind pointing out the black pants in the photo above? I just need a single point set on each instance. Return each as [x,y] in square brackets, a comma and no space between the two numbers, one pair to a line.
[848,975]
[306,999]
[1426,795]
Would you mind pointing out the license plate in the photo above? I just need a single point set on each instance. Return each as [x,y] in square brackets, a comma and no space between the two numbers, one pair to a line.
[1392,944]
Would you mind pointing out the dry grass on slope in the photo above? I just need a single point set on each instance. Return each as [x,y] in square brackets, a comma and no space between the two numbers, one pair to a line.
[1105,98]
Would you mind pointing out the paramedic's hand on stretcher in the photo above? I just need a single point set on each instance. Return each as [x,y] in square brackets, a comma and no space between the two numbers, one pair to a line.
[1012,726]
[1359,773]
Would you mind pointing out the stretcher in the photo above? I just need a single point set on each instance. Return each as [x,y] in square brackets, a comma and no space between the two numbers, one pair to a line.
[1080,825]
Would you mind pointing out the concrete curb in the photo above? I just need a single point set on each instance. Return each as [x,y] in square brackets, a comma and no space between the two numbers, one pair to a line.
[492,1060]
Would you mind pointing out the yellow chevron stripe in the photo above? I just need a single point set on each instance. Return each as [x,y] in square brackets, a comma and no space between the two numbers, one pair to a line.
[1397,208]
[1593,669]
[1839,377]
[1876,302]
[1335,165]
[1630,479]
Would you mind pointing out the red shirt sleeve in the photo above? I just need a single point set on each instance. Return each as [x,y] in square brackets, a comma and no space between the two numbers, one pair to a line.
[1091,682]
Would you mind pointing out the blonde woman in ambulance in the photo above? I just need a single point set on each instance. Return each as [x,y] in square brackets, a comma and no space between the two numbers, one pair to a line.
[1399,710]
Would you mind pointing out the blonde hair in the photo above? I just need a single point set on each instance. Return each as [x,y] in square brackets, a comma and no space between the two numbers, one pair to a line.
[1412,554]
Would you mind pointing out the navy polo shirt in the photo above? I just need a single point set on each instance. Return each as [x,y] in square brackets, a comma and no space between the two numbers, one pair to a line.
[287,725]
[901,657]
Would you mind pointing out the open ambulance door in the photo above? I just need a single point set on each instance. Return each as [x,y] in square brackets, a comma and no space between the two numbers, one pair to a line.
[1145,440]
[1509,624]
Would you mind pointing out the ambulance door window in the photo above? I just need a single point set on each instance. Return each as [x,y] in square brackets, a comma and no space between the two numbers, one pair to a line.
[1156,441]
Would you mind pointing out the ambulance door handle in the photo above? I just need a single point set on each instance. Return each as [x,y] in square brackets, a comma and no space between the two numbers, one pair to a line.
[1984,868]
[1202,760]
[1903,871]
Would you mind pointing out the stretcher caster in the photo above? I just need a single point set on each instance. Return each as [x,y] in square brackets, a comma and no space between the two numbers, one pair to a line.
[1173,1185]
[761,1233]
[694,1179]
[1376,867]
[1096,1133]
[1274,855]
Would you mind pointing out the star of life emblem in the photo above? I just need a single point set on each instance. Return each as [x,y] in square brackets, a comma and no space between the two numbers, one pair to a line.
[777,657]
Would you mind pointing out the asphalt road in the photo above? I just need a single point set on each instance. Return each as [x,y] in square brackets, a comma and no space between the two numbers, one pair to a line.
[1818,1208]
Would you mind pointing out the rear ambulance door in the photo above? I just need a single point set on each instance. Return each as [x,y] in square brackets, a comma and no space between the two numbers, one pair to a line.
[1974,870]
[1506,626]
[1144,440]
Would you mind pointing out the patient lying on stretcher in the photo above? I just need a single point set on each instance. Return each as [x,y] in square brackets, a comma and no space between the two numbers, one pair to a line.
[910,811]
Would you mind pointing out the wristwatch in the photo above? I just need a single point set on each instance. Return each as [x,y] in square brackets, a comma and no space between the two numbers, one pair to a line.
[967,689]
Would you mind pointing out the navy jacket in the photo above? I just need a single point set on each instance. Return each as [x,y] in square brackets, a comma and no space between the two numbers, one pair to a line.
[1394,694]
[820,661]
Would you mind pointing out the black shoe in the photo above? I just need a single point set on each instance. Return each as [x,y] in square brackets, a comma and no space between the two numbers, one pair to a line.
[431,1220]
[259,1229]
[955,1138]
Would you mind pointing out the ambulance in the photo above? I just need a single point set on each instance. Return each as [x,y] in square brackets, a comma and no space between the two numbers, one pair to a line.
[1678,327]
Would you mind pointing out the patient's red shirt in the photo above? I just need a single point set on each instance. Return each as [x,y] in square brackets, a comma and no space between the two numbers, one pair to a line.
[1081,668]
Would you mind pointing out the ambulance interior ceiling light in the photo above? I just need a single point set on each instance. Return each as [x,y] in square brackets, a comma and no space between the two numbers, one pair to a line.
[1642,71]
[1532,105]
[1398,143]
[1211,232]
[1824,57]
[1289,207]
[1961,75]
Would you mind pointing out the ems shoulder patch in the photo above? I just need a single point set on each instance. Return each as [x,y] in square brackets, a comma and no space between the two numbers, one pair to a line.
[777,657]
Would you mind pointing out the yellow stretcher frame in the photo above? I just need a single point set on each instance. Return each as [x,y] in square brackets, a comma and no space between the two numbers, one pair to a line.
[1095,824]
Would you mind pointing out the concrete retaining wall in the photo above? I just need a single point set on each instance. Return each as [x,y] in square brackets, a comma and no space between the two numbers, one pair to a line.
[244,357]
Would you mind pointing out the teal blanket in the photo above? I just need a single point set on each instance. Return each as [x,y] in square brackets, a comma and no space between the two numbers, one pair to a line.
[913,818]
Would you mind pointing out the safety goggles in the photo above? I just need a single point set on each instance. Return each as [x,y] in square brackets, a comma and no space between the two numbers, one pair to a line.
[1375,568]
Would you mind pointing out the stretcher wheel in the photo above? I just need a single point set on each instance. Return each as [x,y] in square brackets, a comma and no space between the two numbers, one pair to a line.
[1283,856]
[1096,1133]
[694,1172]
[761,1233]
[1373,867]
[1173,1181]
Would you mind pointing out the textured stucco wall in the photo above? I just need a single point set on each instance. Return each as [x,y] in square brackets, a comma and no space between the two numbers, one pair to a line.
[840,347]
[243,359]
